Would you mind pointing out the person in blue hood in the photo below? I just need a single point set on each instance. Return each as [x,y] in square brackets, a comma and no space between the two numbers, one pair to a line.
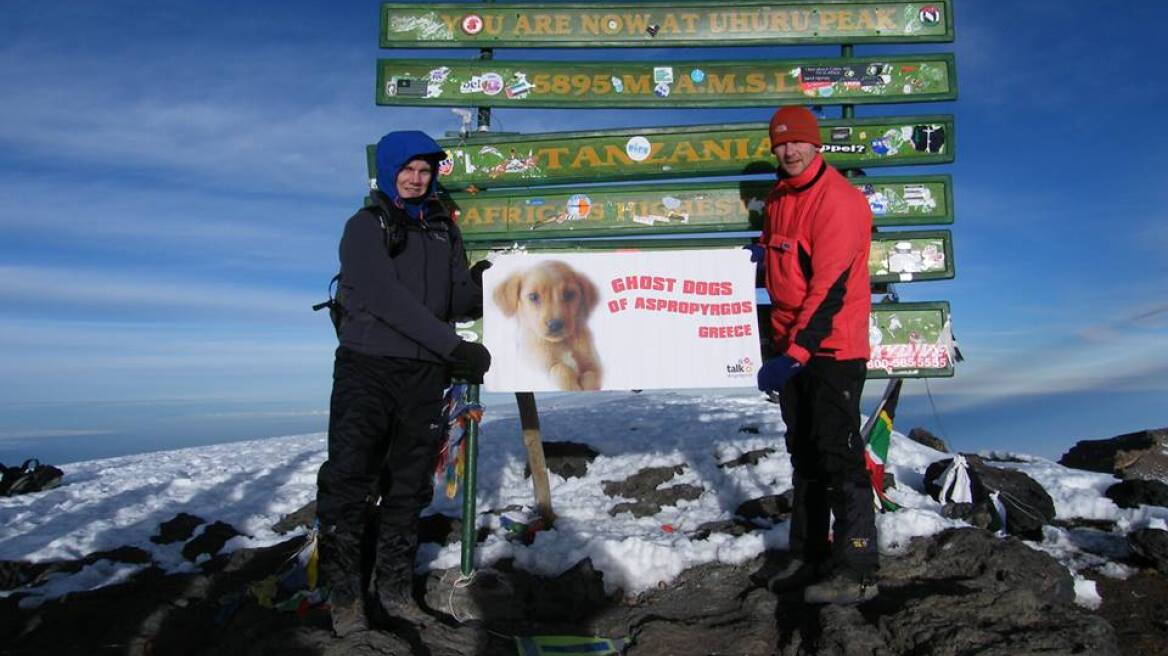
[404,282]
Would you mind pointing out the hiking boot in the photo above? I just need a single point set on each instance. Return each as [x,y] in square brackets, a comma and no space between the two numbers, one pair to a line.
[347,608]
[841,588]
[400,605]
[796,574]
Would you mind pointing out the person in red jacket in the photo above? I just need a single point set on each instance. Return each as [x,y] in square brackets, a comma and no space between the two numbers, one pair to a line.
[814,250]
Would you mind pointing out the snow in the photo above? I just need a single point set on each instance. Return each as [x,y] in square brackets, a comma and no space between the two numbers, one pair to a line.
[105,504]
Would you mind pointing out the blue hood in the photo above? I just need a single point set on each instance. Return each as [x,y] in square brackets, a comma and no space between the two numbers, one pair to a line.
[394,151]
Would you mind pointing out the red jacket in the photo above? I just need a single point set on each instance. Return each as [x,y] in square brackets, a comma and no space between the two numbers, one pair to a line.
[818,232]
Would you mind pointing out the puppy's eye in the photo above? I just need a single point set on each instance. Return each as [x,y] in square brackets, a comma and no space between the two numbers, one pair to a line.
[533,297]
[569,294]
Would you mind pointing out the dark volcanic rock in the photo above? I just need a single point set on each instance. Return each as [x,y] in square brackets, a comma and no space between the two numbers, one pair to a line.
[566,459]
[1143,454]
[650,504]
[960,592]
[16,573]
[1151,544]
[177,529]
[966,592]
[1136,493]
[439,528]
[772,508]
[210,541]
[1138,609]
[642,488]
[748,458]
[303,518]
[1028,506]
[734,527]
[642,482]
[923,436]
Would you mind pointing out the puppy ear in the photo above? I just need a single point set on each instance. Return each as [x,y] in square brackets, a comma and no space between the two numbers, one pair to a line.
[506,294]
[588,294]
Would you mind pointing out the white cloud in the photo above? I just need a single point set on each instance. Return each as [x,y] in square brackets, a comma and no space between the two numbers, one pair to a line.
[57,286]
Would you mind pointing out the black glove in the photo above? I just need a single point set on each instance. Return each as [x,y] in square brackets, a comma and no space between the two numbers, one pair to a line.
[469,361]
[476,271]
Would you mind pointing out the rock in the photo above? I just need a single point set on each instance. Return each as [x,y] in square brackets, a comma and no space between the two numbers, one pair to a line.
[15,573]
[650,504]
[642,482]
[980,514]
[1071,523]
[1139,455]
[210,541]
[749,428]
[1138,609]
[1028,506]
[1135,493]
[749,458]
[1020,598]
[923,436]
[961,591]
[303,518]
[439,528]
[566,459]
[177,529]
[771,509]
[734,527]
[1151,544]
[642,488]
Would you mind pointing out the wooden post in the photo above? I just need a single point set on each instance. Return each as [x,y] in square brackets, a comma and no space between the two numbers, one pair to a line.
[533,441]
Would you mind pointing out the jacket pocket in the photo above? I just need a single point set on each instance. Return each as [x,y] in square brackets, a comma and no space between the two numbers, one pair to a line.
[785,281]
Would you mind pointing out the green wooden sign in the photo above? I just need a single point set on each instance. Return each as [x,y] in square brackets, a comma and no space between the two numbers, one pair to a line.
[911,256]
[673,208]
[648,24]
[703,83]
[910,340]
[894,257]
[683,151]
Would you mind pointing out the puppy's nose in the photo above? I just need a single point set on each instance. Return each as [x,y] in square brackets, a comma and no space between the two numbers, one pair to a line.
[555,325]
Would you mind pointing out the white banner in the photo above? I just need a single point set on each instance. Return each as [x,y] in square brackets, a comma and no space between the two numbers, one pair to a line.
[621,320]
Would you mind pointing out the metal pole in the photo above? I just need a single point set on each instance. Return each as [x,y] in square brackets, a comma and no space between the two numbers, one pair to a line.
[849,111]
[469,476]
[470,473]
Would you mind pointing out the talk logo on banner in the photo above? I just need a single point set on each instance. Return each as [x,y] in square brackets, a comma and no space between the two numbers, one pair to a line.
[621,320]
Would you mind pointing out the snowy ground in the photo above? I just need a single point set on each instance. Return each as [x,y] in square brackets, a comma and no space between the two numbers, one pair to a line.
[105,504]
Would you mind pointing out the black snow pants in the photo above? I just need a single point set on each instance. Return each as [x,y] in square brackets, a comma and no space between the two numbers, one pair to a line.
[384,432]
[821,408]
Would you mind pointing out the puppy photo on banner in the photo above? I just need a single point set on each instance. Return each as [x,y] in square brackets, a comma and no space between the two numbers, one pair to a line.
[621,320]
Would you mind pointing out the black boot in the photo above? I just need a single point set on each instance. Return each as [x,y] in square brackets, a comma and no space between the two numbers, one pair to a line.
[340,554]
[844,588]
[796,574]
[393,578]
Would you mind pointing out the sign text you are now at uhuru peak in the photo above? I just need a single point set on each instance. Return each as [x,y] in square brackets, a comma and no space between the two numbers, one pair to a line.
[647,24]
[493,83]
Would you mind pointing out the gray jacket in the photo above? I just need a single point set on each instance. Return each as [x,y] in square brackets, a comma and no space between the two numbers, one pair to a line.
[405,305]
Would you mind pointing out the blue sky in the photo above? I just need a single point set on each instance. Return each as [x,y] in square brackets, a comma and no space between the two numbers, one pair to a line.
[174,178]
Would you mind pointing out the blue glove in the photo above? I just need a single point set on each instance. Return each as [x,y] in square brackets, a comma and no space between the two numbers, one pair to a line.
[776,372]
[757,252]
